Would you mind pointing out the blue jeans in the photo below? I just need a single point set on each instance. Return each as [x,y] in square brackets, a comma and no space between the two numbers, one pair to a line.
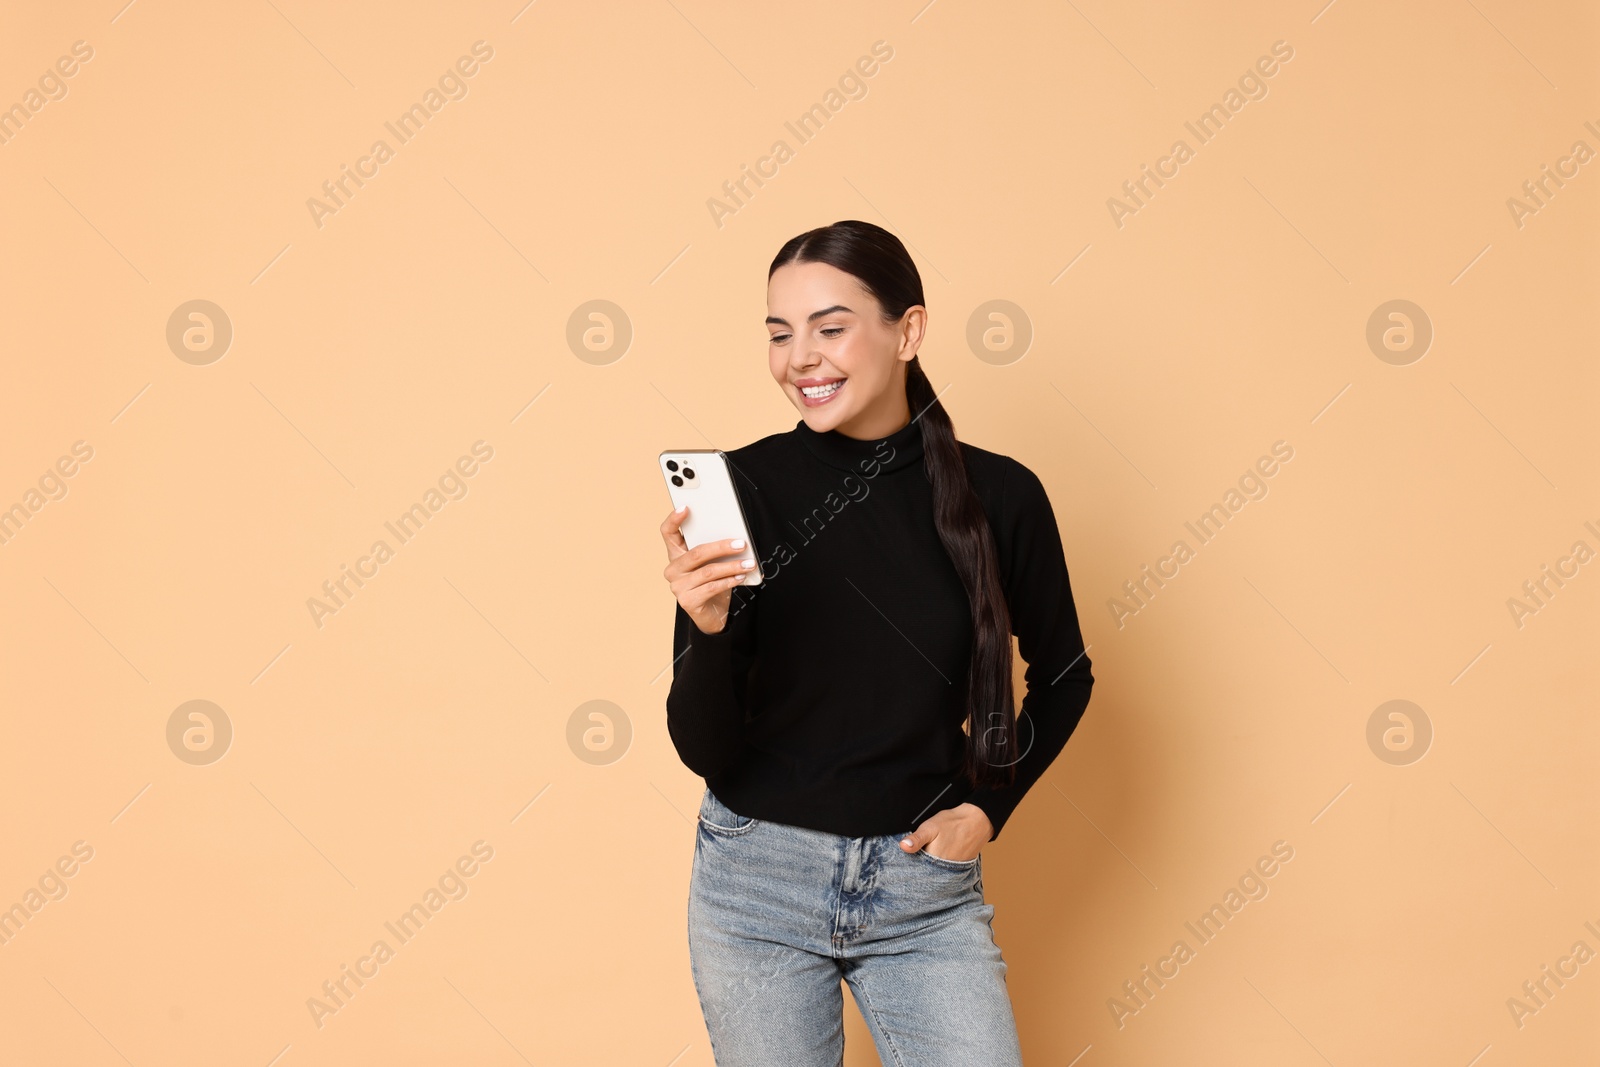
[778,914]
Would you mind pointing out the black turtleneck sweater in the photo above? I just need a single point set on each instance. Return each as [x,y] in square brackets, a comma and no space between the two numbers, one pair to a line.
[834,697]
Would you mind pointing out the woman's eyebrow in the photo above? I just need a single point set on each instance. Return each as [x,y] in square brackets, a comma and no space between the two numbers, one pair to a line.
[773,320]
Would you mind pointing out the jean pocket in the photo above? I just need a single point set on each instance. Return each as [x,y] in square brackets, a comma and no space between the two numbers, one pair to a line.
[949,865]
[718,818]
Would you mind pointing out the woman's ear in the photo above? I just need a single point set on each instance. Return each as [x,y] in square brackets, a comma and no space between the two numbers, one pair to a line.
[913,323]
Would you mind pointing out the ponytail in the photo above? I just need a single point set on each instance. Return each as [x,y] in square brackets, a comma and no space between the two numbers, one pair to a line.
[964,529]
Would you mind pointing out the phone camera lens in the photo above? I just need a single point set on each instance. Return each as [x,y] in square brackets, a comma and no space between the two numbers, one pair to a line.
[677,481]
[688,472]
[672,464]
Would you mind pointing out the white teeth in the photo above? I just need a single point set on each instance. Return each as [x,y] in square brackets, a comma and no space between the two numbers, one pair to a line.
[819,391]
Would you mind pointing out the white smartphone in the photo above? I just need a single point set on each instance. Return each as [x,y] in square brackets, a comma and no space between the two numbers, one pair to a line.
[702,479]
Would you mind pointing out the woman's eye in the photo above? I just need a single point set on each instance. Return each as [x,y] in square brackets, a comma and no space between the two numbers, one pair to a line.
[832,331]
[778,338]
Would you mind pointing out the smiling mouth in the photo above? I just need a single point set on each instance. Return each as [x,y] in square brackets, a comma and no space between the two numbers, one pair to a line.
[820,394]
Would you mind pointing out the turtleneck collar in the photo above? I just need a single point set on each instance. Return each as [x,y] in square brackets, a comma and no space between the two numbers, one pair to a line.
[903,448]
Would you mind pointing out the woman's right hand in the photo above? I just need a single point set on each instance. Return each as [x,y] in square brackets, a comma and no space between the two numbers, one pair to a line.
[703,587]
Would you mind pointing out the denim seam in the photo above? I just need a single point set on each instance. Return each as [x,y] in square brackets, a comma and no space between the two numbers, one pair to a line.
[955,865]
[888,1038]
[727,831]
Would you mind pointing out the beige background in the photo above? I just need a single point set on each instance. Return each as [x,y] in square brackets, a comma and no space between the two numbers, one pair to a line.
[444,703]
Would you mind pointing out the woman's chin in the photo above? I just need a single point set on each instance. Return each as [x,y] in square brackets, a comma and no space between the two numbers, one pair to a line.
[822,420]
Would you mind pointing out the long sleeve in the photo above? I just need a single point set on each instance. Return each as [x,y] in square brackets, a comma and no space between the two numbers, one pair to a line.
[710,680]
[1045,621]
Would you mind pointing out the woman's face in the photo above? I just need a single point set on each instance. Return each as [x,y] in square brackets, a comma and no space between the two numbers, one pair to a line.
[826,330]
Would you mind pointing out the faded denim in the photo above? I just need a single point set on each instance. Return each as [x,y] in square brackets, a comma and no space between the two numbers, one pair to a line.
[778,914]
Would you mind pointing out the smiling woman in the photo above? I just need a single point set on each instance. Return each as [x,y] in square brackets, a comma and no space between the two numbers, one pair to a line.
[855,722]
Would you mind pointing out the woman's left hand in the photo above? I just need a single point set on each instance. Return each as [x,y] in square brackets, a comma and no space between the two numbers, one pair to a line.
[957,833]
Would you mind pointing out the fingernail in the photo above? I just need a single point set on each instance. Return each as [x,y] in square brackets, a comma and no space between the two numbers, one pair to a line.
[906,841]
[738,542]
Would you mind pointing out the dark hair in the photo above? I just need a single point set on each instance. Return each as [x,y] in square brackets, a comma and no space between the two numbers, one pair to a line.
[877,259]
